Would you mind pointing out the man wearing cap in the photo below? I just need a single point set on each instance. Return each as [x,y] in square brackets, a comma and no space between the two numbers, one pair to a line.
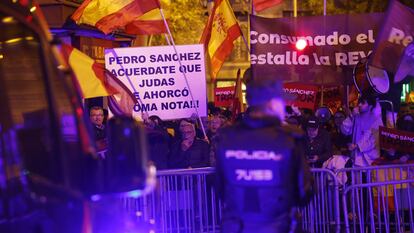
[318,146]
[261,171]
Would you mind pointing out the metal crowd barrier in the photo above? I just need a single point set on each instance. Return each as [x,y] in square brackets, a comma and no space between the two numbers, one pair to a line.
[363,190]
[379,207]
[322,213]
[184,201]
[383,173]
[374,199]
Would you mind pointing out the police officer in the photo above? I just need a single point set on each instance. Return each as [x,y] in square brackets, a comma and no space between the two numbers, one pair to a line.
[261,170]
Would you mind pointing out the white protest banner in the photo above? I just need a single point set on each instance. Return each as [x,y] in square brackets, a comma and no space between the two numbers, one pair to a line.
[158,79]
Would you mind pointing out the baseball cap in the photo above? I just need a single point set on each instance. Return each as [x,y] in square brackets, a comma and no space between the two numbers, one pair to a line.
[312,122]
[259,92]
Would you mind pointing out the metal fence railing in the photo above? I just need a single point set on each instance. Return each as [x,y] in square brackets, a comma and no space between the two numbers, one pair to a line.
[374,199]
[322,214]
[379,207]
[363,175]
[184,201]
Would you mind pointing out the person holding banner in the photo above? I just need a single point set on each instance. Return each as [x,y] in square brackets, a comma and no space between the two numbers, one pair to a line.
[261,170]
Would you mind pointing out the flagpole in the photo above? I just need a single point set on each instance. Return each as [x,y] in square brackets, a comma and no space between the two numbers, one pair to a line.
[184,74]
[244,40]
[322,87]
[241,32]
[235,96]
[167,38]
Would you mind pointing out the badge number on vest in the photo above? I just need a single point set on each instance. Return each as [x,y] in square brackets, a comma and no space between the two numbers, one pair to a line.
[253,174]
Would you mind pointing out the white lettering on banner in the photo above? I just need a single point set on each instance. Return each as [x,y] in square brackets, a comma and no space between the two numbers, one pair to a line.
[298,91]
[318,40]
[254,175]
[162,85]
[391,135]
[407,138]
[397,36]
[289,58]
[255,155]
[350,58]
[396,136]
[224,92]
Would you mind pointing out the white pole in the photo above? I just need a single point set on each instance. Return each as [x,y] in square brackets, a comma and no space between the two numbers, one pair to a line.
[185,76]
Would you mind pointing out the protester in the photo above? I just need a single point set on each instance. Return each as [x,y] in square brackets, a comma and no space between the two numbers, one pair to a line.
[96,115]
[159,141]
[188,151]
[340,141]
[214,124]
[364,128]
[318,146]
[261,171]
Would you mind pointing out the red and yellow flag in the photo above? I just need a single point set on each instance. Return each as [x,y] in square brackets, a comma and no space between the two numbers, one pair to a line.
[90,75]
[221,31]
[260,5]
[151,22]
[109,15]
[93,80]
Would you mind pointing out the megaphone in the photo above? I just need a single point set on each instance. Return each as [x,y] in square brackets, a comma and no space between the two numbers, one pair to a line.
[323,114]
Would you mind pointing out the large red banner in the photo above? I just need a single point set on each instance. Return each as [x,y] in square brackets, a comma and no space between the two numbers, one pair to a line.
[305,94]
[398,140]
[223,96]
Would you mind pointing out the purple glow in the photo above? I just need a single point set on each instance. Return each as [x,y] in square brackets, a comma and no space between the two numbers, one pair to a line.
[127,132]
[96,197]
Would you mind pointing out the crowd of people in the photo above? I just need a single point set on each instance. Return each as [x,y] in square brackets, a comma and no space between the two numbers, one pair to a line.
[181,144]
[262,156]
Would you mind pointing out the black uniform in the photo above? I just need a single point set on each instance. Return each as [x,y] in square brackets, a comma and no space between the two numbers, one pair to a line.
[262,176]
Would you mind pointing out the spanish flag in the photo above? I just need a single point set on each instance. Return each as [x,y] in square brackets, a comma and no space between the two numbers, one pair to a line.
[93,80]
[151,23]
[110,15]
[260,5]
[221,31]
